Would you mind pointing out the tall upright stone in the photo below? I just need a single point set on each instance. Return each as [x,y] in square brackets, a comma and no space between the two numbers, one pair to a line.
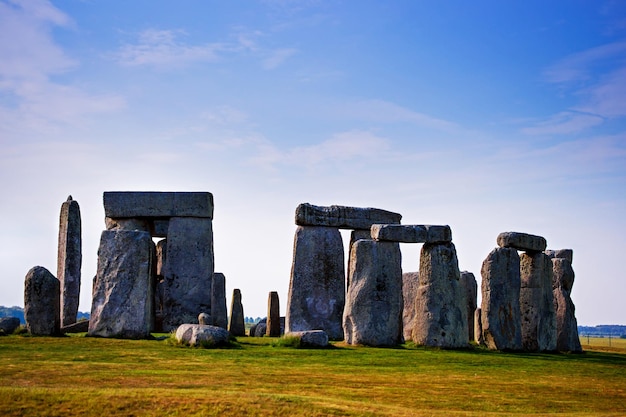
[537,303]
[273,315]
[123,288]
[188,271]
[355,235]
[567,339]
[236,325]
[500,306]
[478,327]
[41,302]
[69,260]
[317,285]
[469,285]
[219,314]
[373,310]
[410,283]
[441,306]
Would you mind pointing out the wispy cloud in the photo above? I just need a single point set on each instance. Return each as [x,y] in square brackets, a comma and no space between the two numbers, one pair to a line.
[276,57]
[563,123]
[579,66]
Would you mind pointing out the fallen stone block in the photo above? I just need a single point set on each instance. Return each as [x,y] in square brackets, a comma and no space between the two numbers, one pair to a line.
[202,335]
[311,338]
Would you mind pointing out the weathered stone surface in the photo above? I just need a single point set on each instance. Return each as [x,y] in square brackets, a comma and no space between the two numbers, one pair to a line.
[311,338]
[236,325]
[123,288]
[410,283]
[204,319]
[373,310]
[343,217]
[161,257]
[478,327]
[537,303]
[78,327]
[260,329]
[69,260]
[566,324]
[469,285]
[202,335]
[317,286]
[8,325]
[440,304]
[125,204]
[188,271]
[500,307]
[137,224]
[219,314]
[273,315]
[522,241]
[355,235]
[42,302]
[415,233]
[560,253]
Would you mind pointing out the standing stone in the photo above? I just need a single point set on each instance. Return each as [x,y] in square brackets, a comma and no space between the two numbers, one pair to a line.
[188,270]
[219,314]
[355,235]
[478,328]
[161,259]
[373,311]
[410,283]
[566,325]
[441,306]
[273,315]
[42,302]
[236,326]
[122,293]
[500,306]
[468,283]
[537,303]
[317,285]
[69,260]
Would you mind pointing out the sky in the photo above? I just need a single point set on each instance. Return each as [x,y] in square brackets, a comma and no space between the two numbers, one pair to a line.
[487,116]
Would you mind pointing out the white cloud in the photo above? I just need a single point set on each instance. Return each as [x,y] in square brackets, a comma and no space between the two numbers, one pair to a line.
[563,123]
[578,66]
[276,57]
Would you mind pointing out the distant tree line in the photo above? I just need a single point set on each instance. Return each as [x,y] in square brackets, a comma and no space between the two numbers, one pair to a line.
[18,312]
[603,330]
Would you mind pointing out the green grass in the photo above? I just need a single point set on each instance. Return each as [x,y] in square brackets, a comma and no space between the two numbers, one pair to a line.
[95,377]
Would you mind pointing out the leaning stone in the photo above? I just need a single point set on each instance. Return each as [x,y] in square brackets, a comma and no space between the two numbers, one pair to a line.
[521,241]
[469,285]
[69,260]
[311,338]
[500,306]
[317,286]
[411,233]
[124,204]
[343,217]
[123,289]
[188,271]
[440,304]
[42,302]
[81,326]
[373,311]
[410,283]
[202,335]
[236,325]
[204,319]
[273,315]
[560,253]
[537,303]
[8,325]
[567,339]
[219,313]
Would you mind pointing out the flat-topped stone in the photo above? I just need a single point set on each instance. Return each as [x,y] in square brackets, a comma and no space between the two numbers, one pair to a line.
[411,233]
[343,217]
[123,204]
[522,241]
[560,254]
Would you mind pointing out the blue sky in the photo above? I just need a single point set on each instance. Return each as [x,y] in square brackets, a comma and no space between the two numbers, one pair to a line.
[487,116]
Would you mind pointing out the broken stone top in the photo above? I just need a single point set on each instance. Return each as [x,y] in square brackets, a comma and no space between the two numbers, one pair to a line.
[343,217]
[560,253]
[522,241]
[414,233]
[151,204]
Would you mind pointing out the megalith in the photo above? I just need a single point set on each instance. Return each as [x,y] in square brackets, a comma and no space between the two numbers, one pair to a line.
[219,314]
[123,288]
[236,325]
[469,285]
[538,318]
[500,306]
[440,304]
[410,283]
[42,302]
[567,339]
[69,260]
[273,315]
[373,310]
[478,327]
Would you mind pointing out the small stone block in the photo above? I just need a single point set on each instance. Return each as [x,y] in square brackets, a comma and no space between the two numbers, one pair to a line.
[521,241]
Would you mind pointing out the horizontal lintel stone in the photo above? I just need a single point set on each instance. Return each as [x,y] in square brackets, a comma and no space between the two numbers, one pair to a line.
[152,204]
[560,253]
[411,233]
[522,241]
[343,217]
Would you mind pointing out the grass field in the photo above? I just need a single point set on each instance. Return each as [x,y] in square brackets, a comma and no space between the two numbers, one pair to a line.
[95,377]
